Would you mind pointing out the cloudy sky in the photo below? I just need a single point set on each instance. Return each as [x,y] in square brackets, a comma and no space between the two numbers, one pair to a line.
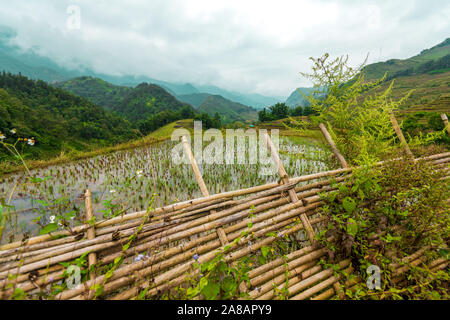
[244,45]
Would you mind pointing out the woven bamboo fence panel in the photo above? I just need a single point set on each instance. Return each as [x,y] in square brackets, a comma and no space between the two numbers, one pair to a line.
[172,235]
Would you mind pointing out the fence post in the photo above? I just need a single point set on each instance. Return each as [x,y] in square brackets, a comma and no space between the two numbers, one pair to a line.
[399,133]
[92,258]
[198,176]
[335,150]
[292,193]
[445,119]
[336,286]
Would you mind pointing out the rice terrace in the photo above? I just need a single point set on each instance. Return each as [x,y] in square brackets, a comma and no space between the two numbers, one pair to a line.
[119,187]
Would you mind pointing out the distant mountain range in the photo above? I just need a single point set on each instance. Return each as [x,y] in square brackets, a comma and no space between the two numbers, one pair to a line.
[35,66]
[145,100]
[133,104]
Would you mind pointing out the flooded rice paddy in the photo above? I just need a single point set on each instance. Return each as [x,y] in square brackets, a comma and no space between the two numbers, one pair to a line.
[125,181]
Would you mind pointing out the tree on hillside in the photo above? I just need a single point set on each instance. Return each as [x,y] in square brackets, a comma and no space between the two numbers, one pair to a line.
[297,111]
[279,110]
[187,113]
[262,115]
[217,122]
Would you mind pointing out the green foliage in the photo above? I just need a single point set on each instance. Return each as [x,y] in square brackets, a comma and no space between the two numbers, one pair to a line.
[57,120]
[424,128]
[384,213]
[280,111]
[359,126]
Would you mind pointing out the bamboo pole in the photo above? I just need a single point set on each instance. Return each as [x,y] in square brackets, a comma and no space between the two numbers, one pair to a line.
[180,269]
[326,294]
[335,150]
[173,250]
[400,135]
[318,287]
[445,119]
[92,257]
[198,176]
[266,291]
[298,287]
[292,264]
[284,177]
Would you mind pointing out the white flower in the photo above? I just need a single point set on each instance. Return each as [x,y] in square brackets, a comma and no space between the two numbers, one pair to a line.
[139,172]
[13,131]
[31,142]
[139,257]
[112,191]
[2,136]
[52,219]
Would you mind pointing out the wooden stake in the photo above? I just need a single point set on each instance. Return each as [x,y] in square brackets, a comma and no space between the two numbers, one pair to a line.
[445,119]
[292,193]
[335,150]
[399,133]
[198,175]
[92,257]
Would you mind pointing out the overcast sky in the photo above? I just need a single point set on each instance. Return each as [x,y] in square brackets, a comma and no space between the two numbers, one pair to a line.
[249,46]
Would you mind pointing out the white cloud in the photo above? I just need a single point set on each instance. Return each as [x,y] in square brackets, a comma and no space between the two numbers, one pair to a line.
[252,46]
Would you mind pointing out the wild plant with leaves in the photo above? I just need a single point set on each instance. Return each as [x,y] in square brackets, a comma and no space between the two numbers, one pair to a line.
[382,212]
[360,126]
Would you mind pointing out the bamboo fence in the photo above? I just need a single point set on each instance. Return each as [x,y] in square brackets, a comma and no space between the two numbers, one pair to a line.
[170,240]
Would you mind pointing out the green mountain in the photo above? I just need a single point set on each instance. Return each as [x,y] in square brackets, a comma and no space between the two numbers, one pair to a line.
[435,59]
[100,92]
[134,104]
[35,66]
[296,98]
[253,99]
[228,110]
[194,99]
[58,120]
[146,100]
[427,73]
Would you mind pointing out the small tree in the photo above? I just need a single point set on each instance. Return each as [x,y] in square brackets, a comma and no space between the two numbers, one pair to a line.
[358,122]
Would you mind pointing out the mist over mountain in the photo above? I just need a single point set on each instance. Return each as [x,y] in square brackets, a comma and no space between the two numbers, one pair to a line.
[31,64]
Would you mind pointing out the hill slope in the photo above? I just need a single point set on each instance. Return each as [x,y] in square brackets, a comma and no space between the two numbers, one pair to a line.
[435,58]
[296,98]
[427,73]
[100,92]
[229,110]
[146,100]
[194,99]
[58,120]
[132,103]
